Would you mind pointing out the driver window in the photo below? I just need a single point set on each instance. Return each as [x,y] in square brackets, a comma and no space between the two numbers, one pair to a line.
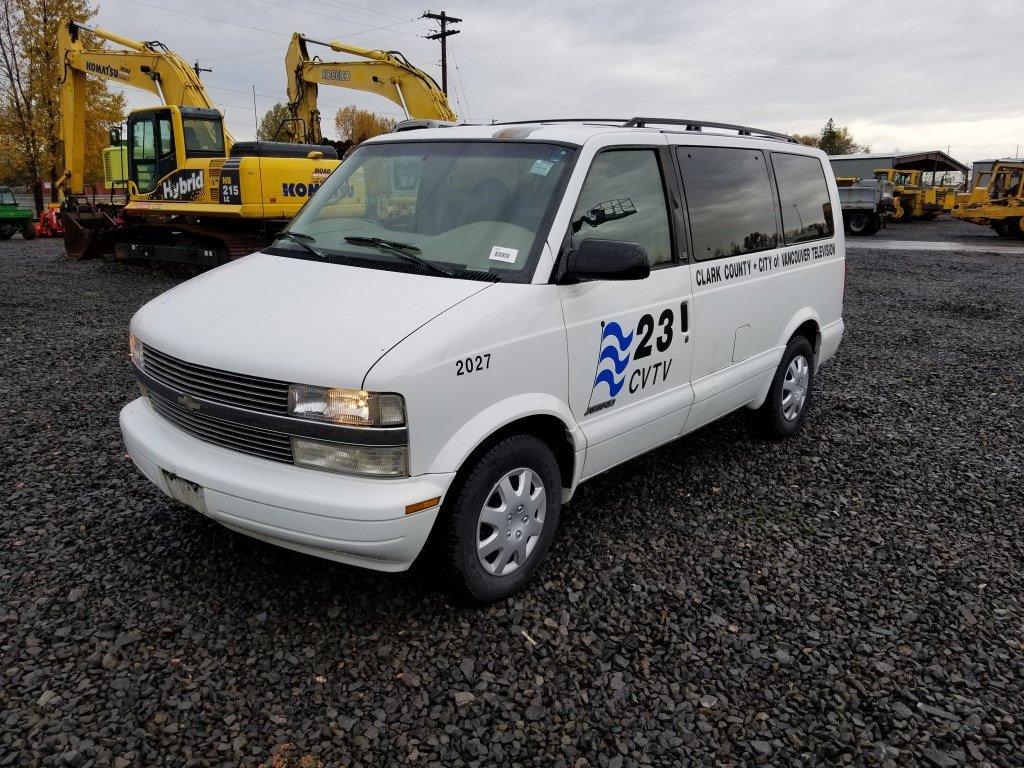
[623,199]
[166,137]
[142,140]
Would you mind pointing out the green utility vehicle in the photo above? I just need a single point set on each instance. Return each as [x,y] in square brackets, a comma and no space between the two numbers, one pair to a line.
[14,219]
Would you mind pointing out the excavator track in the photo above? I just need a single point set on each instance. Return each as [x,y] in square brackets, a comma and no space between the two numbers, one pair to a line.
[207,243]
[237,242]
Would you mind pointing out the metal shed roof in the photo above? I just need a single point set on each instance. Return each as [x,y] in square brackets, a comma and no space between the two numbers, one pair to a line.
[936,160]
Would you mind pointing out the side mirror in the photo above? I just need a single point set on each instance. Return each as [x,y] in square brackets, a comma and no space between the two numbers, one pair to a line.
[606,260]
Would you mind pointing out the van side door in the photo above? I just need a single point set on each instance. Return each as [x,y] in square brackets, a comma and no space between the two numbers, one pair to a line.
[735,231]
[628,341]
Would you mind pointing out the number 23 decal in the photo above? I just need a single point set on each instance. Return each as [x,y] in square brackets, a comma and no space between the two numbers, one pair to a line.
[645,329]
[473,364]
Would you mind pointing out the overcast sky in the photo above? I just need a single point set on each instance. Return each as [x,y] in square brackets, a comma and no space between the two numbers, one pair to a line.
[910,75]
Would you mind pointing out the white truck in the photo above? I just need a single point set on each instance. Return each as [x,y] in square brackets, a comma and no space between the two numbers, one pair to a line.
[866,204]
[463,324]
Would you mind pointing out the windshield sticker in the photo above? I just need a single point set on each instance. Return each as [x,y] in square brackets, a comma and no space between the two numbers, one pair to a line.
[541,167]
[508,255]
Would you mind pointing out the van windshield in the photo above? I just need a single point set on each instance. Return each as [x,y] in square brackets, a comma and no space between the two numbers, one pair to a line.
[476,209]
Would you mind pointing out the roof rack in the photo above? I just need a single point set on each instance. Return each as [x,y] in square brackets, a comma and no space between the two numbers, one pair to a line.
[646,122]
[698,125]
[613,120]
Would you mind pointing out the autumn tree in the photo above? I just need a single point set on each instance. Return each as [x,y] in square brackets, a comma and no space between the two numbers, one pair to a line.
[357,125]
[832,140]
[274,124]
[30,82]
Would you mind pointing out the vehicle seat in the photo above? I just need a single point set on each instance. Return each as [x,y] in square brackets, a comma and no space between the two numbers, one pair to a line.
[488,201]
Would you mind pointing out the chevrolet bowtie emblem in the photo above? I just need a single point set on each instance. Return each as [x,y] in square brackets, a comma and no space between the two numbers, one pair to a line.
[189,403]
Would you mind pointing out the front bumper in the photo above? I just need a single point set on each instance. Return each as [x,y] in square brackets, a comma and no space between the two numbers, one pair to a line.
[360,521]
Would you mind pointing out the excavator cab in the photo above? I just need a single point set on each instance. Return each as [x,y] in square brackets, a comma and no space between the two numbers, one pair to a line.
[162,139]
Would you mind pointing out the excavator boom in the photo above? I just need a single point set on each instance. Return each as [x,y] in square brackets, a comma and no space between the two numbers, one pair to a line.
[386,73]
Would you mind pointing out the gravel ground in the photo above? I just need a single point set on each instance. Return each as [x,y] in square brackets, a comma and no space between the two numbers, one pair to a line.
[944,228]
[853,596]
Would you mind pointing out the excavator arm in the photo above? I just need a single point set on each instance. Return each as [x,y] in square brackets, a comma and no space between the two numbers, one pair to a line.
[386,73]
[148,66]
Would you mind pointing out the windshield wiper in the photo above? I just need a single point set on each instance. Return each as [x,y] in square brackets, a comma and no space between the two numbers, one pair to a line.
[406,251]
[303,240]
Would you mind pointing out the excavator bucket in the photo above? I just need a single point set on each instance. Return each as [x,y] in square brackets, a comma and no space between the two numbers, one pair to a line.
[81,238]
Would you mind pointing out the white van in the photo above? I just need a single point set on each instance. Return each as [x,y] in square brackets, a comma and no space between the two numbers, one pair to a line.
[465,323]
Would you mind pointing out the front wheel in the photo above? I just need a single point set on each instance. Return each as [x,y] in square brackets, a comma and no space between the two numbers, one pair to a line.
[784,410]
[28,232]
[502,518]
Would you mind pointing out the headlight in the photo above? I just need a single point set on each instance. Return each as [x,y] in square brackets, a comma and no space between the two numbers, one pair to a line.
[353,407]
[135,350]
[374,460]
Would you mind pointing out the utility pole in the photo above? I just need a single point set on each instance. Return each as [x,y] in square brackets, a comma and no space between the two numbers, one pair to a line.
[444,20]
[199,69]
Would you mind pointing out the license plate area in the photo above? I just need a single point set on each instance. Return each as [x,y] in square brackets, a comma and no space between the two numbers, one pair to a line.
[185,491]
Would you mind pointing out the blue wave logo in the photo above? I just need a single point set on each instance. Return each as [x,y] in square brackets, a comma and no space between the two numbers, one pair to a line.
[614,358]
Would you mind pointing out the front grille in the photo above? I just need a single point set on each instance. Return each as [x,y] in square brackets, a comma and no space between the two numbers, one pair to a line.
[237,389]
[275,446]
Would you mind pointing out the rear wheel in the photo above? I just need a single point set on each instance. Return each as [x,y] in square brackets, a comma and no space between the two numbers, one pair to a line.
[29,231]
[502,518]
[6,233]
[999,225]
[1015,228]
[859,223]
[784,410]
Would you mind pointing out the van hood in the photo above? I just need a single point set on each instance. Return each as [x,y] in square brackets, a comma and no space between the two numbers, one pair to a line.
[295,320]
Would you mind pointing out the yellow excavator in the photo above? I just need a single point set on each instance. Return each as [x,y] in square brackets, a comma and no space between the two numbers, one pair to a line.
[386,73]
[193,194]
[997,201]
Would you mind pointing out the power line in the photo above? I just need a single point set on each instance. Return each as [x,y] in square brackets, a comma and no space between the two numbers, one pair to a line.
[465,98]
[238,55]
[444,20]
[208,18]
[373,14]
[336,18]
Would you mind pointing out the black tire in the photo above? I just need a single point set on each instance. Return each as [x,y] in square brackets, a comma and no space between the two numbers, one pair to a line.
[28,232]
[6,233]
[859,223]
[876,224]
[1013,227]
[464,507]
[772,414]
[999,225]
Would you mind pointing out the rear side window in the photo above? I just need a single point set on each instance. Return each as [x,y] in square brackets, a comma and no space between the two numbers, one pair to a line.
[729,199]
[803,195]
[623,198]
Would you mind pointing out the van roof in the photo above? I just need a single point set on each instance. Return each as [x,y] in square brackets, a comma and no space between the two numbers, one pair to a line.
[579,130]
